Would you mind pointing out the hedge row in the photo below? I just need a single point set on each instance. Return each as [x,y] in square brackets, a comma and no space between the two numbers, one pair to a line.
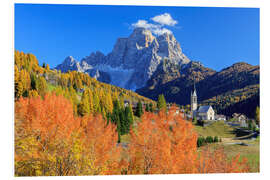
[208,140]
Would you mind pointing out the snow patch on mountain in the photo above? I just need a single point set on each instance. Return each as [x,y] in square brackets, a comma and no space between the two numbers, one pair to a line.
[119,75]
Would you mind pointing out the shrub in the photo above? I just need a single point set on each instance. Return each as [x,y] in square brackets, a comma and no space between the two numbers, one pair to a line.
[215,139]
[209,139]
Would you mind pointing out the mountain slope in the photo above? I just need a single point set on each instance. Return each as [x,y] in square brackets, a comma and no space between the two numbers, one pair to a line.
[33,80]
[209,84]
[177,90]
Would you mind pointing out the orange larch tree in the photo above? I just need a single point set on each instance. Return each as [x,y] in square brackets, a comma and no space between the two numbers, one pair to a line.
[163,143]
[216,161]
[43,131]
[101,154]
[49,140]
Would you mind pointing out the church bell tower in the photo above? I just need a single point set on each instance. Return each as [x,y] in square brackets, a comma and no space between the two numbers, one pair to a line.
[193,101]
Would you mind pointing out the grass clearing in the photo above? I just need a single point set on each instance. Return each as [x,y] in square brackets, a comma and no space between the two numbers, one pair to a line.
[251,152]
[218,128]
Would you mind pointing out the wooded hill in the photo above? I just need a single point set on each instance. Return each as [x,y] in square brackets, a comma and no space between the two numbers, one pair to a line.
[32,80]
[235,84]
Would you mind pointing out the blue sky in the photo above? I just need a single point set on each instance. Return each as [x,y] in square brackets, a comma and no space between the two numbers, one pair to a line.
[218,37]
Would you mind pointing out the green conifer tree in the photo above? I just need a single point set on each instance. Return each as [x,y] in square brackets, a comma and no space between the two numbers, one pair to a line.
[147,109]
[129,118]
[151,107]
[122,121]
[116,110]
[33,82]
[161,104]
[139,109]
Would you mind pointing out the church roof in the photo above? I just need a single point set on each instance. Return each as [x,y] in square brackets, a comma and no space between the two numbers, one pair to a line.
[203,109]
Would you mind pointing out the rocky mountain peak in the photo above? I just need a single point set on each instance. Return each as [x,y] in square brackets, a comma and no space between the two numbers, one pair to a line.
[135,58]
[139,32]
[94,59]
[69,59]
[141,38]
[69,63]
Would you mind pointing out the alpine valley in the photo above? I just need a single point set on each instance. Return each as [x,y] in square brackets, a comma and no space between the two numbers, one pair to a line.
[153,65]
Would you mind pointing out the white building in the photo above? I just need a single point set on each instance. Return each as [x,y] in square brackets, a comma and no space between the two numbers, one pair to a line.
[204,112]
[220,117]
[239,117]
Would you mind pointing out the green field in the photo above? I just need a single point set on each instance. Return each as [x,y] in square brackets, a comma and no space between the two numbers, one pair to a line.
[218,128]
[251,152]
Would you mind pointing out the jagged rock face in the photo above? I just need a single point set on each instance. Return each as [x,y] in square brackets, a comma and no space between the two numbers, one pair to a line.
[69,64]
[134,59]
[170,48]
[92,60]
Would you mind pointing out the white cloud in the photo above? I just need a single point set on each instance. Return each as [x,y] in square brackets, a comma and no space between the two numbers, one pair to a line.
[164,19]
[154,28]
[157,27]
[144,24]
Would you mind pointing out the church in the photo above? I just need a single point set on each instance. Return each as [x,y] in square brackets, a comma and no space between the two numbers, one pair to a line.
[203,112]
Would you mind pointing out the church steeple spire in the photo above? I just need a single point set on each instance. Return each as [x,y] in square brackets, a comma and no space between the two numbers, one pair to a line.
[193,99]
[194,89]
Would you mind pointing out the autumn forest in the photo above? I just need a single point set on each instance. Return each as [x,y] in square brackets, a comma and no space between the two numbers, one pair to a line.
[70,124]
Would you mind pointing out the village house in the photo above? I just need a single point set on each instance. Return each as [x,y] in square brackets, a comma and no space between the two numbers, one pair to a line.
[239,117]
[243,123]
[220,117]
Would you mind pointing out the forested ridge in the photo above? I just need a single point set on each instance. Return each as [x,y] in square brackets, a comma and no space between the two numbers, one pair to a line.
[233,87]
[243,101]
[71,124]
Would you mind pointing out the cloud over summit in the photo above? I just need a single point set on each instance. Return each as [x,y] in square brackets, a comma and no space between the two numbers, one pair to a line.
[164,19]
[159,21]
